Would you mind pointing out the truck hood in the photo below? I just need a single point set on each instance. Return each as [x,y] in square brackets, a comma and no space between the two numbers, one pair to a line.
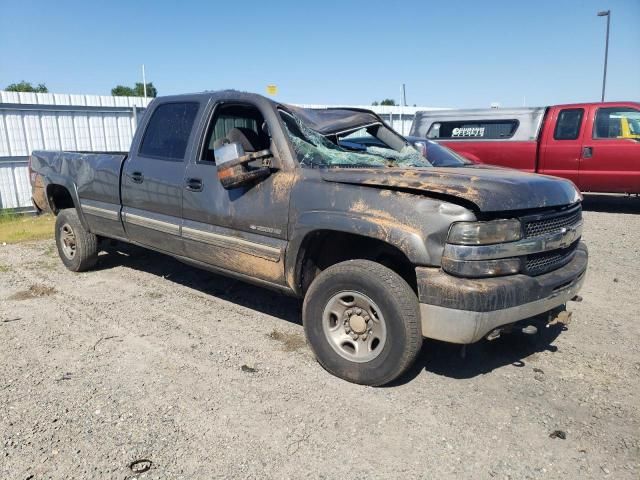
[489,189]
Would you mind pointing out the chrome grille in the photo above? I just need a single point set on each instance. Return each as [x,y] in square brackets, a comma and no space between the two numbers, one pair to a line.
[544,262]
[552,224]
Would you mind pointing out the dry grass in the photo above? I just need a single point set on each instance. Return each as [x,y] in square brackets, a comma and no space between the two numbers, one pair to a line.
[19,228]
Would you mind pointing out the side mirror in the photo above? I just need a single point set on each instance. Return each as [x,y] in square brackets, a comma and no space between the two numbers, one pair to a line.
[233,165]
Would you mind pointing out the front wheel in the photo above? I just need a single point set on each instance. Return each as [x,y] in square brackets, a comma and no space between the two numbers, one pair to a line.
[78,249]
[362,321]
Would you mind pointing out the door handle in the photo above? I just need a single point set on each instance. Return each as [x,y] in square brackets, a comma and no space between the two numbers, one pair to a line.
[587,152]
[136,177]
[194,184]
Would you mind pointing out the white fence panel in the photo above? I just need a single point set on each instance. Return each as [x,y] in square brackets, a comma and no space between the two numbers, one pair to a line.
[33,132]
[4,139]
[9,97]
[16,135]
[111,132]
[61,99]
[107,101]
[96,132]
[81,129]
[23,187]
[8,192]
[93,100]
[125,131]
[67,132]
[15,191]
[50,131]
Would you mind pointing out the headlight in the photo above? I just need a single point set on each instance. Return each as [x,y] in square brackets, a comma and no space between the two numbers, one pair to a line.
[485,233]
[481,268]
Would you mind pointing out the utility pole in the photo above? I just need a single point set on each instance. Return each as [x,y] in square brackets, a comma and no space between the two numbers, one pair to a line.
[144,83]
[403,103]
[606,13]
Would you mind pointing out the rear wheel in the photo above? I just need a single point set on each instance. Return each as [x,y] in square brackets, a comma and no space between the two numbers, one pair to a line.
[362,321]
[78,249]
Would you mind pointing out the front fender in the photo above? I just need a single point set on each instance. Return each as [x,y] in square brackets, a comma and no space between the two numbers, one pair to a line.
[404,238]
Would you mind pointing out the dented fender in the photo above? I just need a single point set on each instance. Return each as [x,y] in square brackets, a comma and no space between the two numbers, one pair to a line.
[414,224]
[54,179]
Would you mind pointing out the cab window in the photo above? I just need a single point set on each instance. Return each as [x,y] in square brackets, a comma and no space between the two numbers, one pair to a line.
[167,134]
[568,124]
[241,124]
[617,122]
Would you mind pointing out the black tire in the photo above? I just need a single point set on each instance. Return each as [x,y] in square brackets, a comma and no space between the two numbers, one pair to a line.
[84,254]
[399,310]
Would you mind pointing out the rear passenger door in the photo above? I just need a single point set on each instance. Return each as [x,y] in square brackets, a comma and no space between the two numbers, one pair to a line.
[153,176]
[611,153]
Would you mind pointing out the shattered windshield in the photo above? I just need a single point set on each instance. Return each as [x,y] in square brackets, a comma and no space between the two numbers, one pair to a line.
[314,149]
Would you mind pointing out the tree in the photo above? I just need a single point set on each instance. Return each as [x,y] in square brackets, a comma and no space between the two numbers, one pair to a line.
[151,90]
[27,87]
[122,91]
[137,91]
[386,101]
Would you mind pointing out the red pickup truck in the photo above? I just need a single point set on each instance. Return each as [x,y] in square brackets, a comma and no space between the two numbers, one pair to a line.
[596,145]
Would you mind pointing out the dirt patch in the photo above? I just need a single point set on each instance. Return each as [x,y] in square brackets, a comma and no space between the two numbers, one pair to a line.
[34,291]
[281,186]
[291,342]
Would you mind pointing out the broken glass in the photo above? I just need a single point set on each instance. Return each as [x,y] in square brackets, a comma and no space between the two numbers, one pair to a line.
[314,149]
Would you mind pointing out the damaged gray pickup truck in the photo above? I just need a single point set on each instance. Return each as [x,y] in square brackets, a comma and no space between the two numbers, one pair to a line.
[385,246]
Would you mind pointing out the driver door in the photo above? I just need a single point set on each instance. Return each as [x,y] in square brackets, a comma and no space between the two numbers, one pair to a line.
[242,230]
[610,160]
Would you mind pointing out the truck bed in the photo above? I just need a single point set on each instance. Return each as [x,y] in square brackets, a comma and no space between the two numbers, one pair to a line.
[97,174]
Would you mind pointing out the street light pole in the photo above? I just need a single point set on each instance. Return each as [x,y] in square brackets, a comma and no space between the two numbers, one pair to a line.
[606,13]
[144,84]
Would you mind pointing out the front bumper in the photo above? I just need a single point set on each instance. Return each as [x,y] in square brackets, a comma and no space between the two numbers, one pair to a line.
[462,310]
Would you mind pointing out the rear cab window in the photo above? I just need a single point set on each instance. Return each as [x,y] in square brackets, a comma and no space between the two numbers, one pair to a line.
[167,134]
[473,129]
[568,124]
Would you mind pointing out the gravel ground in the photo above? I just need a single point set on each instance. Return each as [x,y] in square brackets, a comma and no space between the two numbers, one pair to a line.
[199,376]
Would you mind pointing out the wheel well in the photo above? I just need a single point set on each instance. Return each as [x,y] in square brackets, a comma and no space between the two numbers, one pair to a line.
[59,198]
[324,248]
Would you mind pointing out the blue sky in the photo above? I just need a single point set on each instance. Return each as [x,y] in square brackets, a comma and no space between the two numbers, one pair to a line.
[448,53]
